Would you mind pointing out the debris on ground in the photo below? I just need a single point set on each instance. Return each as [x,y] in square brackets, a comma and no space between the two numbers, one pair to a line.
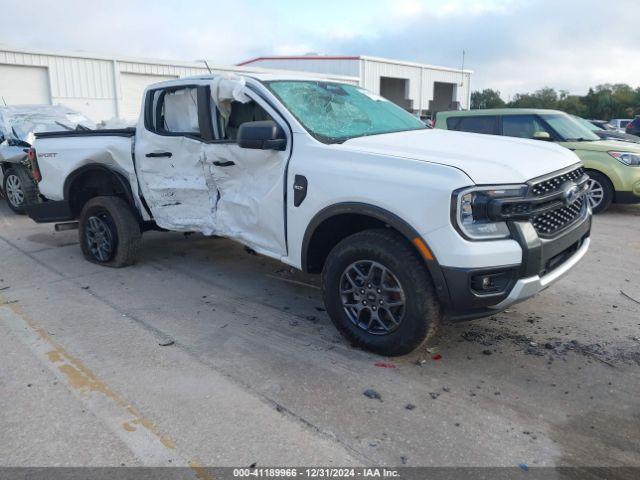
[421,362]
[384,365]
[437,357]
[434,395]
[4,288]
[552,347]
[523,466]
[9,302]
[629,297]
[372,394]
[166,342]
[86,287]
[410,406]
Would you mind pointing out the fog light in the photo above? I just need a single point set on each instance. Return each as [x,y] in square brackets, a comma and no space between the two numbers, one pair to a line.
[491,282]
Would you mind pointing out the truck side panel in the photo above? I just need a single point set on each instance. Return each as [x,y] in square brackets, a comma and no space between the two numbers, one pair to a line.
[60,156]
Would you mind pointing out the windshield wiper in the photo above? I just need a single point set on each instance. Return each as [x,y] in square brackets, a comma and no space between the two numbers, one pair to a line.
[580,139]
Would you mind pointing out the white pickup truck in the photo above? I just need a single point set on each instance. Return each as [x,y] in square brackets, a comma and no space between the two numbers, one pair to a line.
[408,226]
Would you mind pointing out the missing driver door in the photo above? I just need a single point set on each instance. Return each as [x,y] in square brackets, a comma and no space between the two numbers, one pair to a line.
[250,182]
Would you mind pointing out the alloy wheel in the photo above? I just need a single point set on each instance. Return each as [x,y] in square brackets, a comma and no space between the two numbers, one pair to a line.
[595,193]
[372,297]
[14,192]
[99,238]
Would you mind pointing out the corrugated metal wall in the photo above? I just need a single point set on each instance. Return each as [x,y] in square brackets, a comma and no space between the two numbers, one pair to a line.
[92,84]
[421,80]
[342,66]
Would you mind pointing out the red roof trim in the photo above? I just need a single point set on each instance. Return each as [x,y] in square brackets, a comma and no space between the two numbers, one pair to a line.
[301,57]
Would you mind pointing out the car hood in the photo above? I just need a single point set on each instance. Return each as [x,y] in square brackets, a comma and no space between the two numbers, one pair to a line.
[603,146]
[486,159]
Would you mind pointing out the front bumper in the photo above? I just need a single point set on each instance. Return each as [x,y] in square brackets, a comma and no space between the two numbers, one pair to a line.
[544,261]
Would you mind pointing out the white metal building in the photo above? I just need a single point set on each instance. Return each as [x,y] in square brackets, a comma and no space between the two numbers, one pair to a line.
[417,87]
[99,86]
[105,87]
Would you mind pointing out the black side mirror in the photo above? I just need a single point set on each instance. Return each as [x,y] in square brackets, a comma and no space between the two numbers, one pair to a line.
[262,135]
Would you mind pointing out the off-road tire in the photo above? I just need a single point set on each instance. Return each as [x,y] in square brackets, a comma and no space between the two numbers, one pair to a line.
[27,186]
[123,226]
[607,190]
[423,315]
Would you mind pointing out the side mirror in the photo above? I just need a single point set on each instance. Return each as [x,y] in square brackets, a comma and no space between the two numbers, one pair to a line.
[262,135]
[542,136]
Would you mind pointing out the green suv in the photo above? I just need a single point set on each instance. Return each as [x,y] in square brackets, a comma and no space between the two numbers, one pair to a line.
[613,167]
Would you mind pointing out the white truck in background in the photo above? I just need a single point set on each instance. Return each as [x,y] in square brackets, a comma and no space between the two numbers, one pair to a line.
[407,225]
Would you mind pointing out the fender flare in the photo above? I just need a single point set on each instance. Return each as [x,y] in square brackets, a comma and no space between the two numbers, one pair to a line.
[118,177]
[385,216]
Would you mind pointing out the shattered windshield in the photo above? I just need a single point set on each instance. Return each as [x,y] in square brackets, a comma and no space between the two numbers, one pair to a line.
[335,112]
[21,122]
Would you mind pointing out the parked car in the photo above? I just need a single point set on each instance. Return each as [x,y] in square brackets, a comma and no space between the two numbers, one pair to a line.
[620,124]
[605,134]
[406,224]
[603,124]
[633,127]
[18,124]
[613,166]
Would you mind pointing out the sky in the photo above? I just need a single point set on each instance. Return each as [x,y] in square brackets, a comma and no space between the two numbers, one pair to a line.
[511,45]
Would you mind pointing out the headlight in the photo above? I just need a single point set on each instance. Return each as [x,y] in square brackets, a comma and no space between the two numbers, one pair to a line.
[631,159]
[471,210]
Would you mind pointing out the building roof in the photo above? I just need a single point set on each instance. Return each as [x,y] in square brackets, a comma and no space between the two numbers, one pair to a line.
[350,57]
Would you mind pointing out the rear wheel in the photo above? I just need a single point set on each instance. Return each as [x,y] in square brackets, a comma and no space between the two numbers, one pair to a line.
[600,192]
[379,294]
[19,188]
[109,232]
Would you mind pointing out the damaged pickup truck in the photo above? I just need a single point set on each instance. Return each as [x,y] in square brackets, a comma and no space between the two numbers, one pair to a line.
[407,225]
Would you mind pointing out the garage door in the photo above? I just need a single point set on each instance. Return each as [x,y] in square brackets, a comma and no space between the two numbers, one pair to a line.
[24,85]
[133,86]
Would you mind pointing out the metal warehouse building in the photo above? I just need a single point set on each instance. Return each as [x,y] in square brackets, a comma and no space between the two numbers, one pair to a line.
[417,87]
[105,87]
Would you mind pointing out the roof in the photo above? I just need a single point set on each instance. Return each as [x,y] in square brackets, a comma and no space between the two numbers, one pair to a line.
[496,111]
[299,57]
[356,57]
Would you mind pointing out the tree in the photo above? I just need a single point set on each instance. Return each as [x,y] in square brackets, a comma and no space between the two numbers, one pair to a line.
[605,101]
[487,98]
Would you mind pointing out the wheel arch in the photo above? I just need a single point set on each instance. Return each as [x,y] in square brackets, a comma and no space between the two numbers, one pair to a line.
[94,180]
[336,222]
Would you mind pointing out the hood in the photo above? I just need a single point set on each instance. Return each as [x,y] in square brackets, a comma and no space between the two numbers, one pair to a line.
[617,136]
[486,159]
[603,146]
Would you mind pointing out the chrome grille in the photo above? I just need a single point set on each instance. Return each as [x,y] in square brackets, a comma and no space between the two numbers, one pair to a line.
[549,223]
[554,184]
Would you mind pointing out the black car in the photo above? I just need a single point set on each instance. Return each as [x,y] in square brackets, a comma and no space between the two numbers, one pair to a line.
[633,128]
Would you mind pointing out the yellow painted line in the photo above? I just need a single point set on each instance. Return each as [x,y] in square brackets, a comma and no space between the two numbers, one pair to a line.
[81,379]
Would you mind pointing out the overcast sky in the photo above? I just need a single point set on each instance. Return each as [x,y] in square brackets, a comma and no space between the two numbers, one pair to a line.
[512,45]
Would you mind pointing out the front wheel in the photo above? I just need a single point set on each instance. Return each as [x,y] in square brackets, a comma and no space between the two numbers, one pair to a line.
[379,294]
[109,232]
[600,192]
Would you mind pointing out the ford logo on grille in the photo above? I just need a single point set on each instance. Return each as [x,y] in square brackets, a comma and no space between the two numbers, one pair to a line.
[571,194]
